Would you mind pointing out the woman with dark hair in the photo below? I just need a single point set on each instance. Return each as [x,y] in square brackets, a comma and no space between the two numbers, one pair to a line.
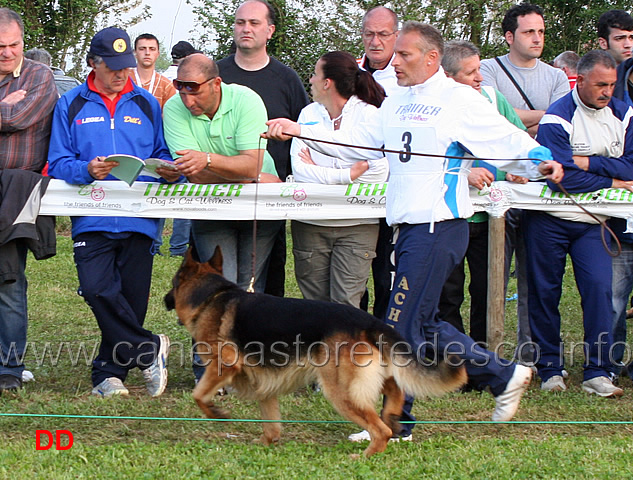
[333,257]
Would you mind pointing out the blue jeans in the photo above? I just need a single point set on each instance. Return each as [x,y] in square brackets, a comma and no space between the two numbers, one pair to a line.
[235,238]
[179,239]
[622,286]
[179,236]
[13,319]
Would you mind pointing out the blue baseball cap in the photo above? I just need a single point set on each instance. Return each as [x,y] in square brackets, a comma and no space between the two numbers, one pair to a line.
[114,46]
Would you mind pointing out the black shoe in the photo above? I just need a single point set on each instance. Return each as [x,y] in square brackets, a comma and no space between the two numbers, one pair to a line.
[9,382]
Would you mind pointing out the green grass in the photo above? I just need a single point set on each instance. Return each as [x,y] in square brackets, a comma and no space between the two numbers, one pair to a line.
[125,448]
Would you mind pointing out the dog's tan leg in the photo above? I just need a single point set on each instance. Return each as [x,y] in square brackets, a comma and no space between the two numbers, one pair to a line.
[209,384]
[270,411]
[364,416]
[394,400]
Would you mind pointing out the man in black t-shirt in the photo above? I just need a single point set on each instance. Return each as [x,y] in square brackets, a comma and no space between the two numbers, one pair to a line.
[281,90]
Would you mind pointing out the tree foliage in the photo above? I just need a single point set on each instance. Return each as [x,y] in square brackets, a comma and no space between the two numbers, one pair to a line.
[65,27]
[308,28]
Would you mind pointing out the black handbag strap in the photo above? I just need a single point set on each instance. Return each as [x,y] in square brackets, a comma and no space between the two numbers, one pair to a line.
[527,100]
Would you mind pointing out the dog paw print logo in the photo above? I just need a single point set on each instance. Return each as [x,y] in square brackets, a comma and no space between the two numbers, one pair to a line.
[97,194]
[299,194]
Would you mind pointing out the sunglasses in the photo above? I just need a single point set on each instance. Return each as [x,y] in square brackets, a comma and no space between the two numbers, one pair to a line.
[189,87]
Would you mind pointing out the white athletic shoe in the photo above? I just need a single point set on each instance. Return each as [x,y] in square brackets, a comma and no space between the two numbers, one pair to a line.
[508,401]
[156,375]
[109,387]
[602,386]
[554,384]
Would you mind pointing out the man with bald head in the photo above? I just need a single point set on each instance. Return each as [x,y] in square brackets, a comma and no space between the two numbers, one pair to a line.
[206,105]
[283,94]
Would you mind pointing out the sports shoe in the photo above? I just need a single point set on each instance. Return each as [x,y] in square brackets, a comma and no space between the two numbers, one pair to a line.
[156,374]
[554,384]
[602,386]
[364,437]
[507,403]
[109,387]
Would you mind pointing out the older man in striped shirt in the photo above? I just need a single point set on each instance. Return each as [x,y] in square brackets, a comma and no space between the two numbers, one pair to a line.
[27,98]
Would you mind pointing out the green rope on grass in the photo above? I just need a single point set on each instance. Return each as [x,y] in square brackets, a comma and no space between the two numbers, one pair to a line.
[251,420]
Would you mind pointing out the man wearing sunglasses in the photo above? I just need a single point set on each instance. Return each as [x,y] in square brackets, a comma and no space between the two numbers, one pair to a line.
[213,131]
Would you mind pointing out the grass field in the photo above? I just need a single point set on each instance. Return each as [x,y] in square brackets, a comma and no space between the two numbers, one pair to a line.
[175,449]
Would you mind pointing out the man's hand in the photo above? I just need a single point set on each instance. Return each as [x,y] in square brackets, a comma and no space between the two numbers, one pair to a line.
[627,185]
[279,127]
[191,162]
[516,179]
[168,174]
[14,97]
[552,170]
[581,162]
[306,156]
[480,177]
[99,169]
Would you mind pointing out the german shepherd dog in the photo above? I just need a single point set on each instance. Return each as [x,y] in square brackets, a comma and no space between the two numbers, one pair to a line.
[265,346]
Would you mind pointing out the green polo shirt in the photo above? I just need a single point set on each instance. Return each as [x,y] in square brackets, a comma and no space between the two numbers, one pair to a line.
[236,126]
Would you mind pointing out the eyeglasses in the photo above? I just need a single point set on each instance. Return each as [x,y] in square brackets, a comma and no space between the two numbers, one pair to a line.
[189,87]
[380,35]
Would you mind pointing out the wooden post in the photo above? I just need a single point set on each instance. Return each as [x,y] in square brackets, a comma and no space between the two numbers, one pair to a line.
[496,284]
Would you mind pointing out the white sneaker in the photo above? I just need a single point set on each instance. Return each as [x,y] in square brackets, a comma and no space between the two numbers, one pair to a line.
[602,386]
[364,437]
[554,384]
[109,387]
[507,403]
[156,375]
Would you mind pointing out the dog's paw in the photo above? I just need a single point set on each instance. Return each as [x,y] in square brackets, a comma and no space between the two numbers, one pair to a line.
[219,412]
[355,456]
[264,440]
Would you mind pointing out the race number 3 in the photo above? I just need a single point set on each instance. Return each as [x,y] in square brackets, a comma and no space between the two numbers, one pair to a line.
[405,156]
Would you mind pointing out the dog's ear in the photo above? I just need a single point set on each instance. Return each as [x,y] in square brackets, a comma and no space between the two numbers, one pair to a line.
[216,260]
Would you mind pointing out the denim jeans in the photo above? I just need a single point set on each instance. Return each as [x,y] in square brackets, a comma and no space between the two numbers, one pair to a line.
[13,319]
[179,239]
[235,238]
[622,286]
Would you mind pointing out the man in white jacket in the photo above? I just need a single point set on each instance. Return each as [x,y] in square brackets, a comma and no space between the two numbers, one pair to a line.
[427,199]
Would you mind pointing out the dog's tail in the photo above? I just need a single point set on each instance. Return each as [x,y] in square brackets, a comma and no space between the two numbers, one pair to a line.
[422,380]
[422,377]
